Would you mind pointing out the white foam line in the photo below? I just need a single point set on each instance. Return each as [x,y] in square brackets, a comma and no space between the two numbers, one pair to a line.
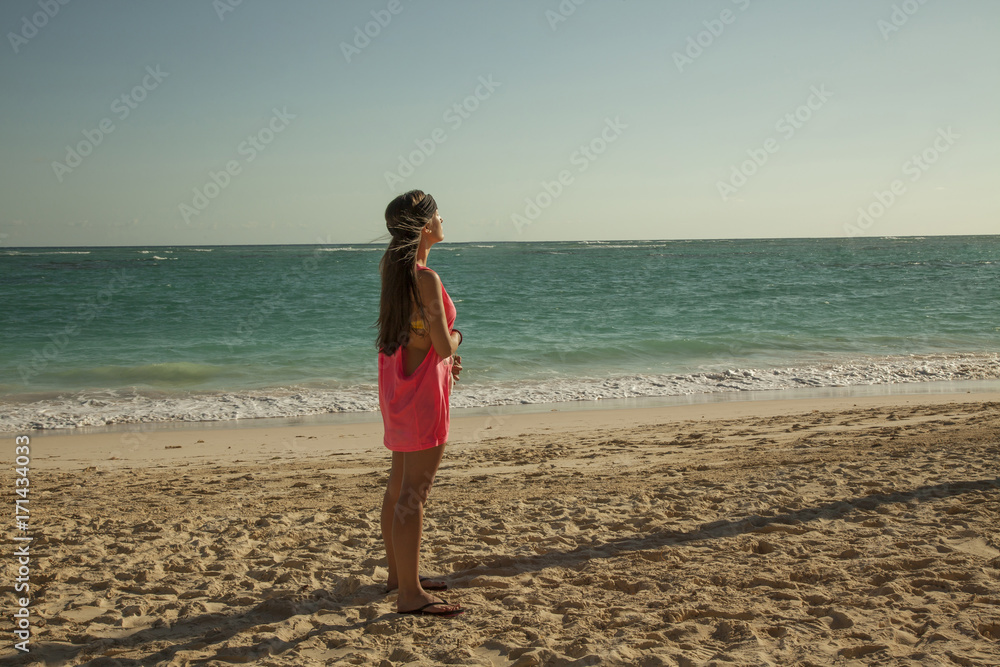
[109,407]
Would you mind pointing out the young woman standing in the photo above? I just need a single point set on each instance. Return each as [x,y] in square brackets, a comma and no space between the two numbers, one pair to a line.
[417,367]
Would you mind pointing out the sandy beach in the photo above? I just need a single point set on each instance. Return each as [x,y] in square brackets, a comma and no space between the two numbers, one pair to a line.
[798,532]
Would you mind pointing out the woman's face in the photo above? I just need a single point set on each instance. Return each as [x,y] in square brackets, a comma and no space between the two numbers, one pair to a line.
[436,230]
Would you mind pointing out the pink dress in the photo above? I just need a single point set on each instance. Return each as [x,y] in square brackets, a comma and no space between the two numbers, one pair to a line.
[415,408]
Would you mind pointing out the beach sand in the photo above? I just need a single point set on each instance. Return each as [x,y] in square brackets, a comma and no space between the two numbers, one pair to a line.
[798,532]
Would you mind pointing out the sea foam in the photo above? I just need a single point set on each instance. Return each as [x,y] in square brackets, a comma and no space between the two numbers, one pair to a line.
[107,407]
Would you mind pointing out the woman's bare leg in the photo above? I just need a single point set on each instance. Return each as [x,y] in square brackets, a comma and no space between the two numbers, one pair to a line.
[418,472]
[388,509]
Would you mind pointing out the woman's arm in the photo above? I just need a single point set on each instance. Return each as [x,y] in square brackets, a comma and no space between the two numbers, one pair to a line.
[445,342]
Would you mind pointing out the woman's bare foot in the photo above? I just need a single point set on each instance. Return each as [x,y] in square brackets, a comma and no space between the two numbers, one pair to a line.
[428,605]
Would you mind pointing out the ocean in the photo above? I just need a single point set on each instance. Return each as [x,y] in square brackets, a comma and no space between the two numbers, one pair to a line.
[121,335]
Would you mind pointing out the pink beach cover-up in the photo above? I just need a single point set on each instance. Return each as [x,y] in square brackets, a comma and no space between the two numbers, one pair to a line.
[415,408]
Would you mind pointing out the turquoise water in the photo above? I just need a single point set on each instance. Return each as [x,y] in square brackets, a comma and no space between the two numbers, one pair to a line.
[114,325]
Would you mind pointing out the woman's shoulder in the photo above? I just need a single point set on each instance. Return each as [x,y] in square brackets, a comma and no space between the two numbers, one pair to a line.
[426,273]
[428,280]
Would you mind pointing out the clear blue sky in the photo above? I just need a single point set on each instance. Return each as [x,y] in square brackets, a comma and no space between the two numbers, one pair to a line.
[673,129]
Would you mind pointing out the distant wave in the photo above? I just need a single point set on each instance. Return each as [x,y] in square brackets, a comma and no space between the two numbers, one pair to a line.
[53,252]
[629,245]
[175,373]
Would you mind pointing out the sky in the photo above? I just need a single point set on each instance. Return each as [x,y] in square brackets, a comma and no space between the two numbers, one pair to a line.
[221,122]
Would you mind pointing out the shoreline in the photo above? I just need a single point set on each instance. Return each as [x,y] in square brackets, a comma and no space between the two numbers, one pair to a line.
[932,388]
[259,443]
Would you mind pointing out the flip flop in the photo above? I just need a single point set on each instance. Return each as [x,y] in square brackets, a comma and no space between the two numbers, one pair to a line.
[422,611]
[427,584]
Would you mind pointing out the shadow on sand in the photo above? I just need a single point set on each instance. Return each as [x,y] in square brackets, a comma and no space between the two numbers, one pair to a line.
[207,629]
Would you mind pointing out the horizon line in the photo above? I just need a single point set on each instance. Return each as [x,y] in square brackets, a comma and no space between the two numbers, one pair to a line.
[369,243]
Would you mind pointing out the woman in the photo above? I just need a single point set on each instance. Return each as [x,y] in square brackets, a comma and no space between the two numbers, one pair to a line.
[417,367]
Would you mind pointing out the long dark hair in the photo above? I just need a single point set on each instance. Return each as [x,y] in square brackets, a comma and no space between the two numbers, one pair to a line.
[404,220]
